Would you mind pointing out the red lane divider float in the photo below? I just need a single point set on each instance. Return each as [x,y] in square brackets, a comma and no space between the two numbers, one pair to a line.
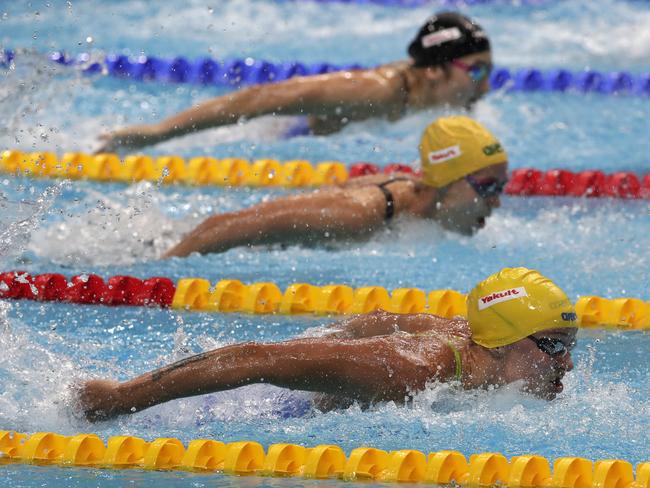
[364,169]
[555,182]
[88,288]
[559,182]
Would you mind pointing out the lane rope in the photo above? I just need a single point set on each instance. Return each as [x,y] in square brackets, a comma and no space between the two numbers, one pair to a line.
[321,462]
[249,71]
[230,295]
[296,173]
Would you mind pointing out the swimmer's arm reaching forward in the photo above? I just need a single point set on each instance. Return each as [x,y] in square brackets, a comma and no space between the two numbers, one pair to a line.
[308,217]
[351,94]
[380,368]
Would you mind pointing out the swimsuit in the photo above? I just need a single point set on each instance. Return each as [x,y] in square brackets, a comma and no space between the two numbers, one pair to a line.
[300,128]
[458,373]
[390,201]
[459,366]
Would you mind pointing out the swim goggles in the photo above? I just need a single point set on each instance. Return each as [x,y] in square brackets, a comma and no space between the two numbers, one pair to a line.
[490,187]
[477,72]
[552,346]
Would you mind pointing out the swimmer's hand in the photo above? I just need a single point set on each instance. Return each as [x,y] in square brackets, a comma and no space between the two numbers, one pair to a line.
[99,399]
[134,137]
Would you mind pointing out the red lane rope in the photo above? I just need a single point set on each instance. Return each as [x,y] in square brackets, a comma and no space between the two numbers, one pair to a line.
[88,288]
[555,182]
[560,182]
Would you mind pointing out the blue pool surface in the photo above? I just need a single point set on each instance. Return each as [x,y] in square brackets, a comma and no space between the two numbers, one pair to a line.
[589,247]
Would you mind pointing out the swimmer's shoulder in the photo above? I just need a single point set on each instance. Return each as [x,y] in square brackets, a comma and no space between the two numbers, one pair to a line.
[397,66]
[457,327]
[388,75]
[394,71]
[458,331]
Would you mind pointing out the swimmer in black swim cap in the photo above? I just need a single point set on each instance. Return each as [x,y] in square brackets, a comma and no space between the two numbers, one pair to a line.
[450,63]
[446,38]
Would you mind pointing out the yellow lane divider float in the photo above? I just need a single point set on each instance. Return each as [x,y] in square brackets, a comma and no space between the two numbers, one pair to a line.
[174,169]
[320,462]
[298,298]
[234,296]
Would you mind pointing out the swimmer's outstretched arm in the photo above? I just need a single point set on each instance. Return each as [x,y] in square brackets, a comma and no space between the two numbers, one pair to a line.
[308,217]
[340,94]
[366,369]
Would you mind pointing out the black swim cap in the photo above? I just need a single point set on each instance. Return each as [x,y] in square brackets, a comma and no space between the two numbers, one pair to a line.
[447,36]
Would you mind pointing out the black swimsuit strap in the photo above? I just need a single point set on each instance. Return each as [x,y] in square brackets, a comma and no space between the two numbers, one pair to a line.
[390,201]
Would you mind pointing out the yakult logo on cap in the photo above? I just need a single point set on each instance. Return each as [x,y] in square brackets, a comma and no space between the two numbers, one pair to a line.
[445,154]
[438,37]
[501,296]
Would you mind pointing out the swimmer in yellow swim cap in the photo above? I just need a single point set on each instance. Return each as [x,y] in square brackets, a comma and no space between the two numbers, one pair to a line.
[449,63]
[464,171]
[521,328]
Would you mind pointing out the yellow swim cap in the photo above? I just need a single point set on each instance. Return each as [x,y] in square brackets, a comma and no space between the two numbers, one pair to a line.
[515,303]
[452,147]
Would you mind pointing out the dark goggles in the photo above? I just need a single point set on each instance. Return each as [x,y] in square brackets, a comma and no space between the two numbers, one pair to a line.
[552,346]
[477,72]
[490,187]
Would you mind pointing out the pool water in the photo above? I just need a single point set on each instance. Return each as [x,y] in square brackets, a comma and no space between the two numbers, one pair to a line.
[590,247]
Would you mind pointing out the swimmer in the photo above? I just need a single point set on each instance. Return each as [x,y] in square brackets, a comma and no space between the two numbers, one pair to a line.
[521,327]
[464,170]
[450,63]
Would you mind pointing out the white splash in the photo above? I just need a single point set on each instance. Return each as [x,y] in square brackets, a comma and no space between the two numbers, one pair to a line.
[121,227]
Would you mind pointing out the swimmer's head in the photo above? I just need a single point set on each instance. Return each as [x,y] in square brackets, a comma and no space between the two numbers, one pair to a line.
[447,36]
[453,147]
[468,164]
[528,325]
[516,303]
[454,53]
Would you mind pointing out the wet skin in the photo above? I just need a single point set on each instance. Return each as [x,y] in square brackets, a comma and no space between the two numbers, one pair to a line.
[369,358]
[354,210]
[464,211]
[330,100]
[542,374]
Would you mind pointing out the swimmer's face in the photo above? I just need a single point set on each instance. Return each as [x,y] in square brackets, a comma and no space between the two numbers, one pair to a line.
[541,372]
[461,88]
[463,209]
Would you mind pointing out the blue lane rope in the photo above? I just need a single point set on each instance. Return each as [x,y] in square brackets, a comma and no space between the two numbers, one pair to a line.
[6,57]
[249,71]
